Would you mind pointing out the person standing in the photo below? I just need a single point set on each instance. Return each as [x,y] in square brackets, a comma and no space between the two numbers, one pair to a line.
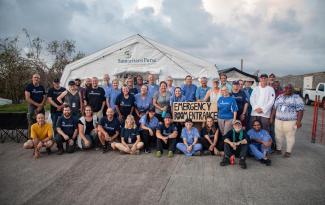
[56,106]
[161,101]
[142,102]
[224,82]
[130,83]
[170,86]
[189,89]
[36,98]
[139,83]
[95,97]
[288,111]
[262,100]
[241,101]
[213,94]
[152,86]
[112,95]
[124,104]
[202,90]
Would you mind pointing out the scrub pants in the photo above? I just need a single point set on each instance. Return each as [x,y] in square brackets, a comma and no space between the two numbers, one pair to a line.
[182,147]
[258,151]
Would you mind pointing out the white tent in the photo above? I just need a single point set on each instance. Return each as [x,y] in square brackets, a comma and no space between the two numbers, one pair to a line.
[139,55]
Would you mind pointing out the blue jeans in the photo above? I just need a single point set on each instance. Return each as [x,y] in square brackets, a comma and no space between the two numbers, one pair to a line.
[258,151]
[54,118]
[182,147]
[60,140]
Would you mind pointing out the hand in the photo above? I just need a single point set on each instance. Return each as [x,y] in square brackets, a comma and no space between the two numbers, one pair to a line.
[71,142]
[150,132]
[134,148]
[66,137]
[39,109]
[107,137]
[242,117]
[211,147]
[87,143]
[165,139]
[259,110]
[164,108]
[298,124]
[40,145]
[127,148]
[189,148]
[233,145]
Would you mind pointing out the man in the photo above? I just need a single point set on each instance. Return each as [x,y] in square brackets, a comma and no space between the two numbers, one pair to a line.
[112,94]
[130,84]
[152,86]
[41,136]
[189,89]
[271,79]
[202,90]
[170,86]
[288,111]
[241,84]
[262,100]
[108,129]
[56,106]
[88,82]
[223,82]
[139,83]
[242,102]
[95,97]
[166,137]
[106,83]
[82,90]
[277,88]
[248,92]
[235,144]
[67,131]
[36,97]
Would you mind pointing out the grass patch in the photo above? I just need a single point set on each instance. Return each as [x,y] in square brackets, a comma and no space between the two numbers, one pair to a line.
[18,108]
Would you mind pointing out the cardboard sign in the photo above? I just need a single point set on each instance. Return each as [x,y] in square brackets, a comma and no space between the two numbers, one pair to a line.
[197,111]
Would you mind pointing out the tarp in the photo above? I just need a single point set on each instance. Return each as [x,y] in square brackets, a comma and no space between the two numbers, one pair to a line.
[138,54]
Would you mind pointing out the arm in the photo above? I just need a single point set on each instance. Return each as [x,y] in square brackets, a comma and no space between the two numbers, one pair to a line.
[59,130]
[159,135]
[115,135]
[173,135]
[75,134]
[299,118]
[29,100]
[235,116]
[61,96]
[81,132]
[270,102]
[155,103]
[208,139]
[207,96]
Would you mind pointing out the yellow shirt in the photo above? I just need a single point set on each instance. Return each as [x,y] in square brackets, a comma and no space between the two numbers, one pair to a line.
[41,132]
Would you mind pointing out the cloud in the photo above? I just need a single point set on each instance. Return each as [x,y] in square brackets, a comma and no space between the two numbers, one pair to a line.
[274,36]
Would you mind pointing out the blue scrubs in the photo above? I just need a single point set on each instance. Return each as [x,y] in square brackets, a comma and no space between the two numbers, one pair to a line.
[256,149]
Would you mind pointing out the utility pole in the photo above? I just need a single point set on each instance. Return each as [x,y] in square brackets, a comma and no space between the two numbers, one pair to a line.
[241,64]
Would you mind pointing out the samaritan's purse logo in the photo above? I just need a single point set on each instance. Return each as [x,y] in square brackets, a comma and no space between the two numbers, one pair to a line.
[127,58]
[127,54]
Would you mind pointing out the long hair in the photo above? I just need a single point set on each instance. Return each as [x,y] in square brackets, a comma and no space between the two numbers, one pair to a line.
[130,119]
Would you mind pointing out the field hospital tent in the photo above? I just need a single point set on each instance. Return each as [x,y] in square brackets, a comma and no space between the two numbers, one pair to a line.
[139,55]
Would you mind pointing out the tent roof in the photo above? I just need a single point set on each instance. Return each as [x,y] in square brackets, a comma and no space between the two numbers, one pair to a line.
[175,56]
[239,71]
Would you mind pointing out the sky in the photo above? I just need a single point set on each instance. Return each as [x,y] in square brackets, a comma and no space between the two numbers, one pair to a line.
[272,36]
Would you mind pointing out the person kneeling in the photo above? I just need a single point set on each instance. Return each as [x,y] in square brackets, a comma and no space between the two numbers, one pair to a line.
[130,138]
[166,137]
[190,135]
[87,127]
[41,134]
[67,131]
[261,143]
[235,143]
[211,140]
[108,130]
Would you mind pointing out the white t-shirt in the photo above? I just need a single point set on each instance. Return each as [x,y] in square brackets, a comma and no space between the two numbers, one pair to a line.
[262,98]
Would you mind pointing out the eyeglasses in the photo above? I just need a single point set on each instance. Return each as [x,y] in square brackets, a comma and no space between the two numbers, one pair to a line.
[256,125]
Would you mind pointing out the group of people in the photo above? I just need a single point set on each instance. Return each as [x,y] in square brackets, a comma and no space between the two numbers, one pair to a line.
[138,116]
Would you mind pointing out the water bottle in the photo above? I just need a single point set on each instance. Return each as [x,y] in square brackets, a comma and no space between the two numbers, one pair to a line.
[163,114]
[232,159]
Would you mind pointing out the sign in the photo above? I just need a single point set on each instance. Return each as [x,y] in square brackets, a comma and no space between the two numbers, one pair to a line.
[197,111]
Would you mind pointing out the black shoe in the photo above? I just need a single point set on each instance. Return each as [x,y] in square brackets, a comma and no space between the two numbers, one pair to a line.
[105,148]
[224,162]
[60,152]
[268,162]
[147,150]
[48,150]
[242,164]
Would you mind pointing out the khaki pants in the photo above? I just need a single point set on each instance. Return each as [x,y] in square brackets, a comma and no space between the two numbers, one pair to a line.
[287,130]
[224,126]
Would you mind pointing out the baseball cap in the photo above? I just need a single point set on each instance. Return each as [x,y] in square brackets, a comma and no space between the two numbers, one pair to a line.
[168,115]
[236,82]
[71,82]
[264,75]
[236,122]
[56,80]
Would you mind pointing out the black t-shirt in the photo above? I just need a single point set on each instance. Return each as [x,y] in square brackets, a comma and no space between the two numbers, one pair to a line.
[166,131]
[53,94]
[129,135]
[110,126]
[241,99]
[68,126]
[133,91]
[37,93]
[230,136]
[95,97]
[125,105]
[89,126]
[210,133]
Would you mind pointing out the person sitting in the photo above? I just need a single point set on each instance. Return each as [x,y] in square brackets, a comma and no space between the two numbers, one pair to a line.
[235,144]
[260,143]
[148,125]
[130,138]
[190,136]
[41,136]
[211,140]
[108,130]
[67,131]
[87,127]
[166,137]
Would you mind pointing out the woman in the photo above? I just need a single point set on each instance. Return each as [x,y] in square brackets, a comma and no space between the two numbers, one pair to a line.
[148,125]
[227,111]
[161,101]
[213,94]
[124,104]
[87,128]
[72,97]
[211,140]
[142,102]
[177,97]
[190,136]
[260,143]
[130,138]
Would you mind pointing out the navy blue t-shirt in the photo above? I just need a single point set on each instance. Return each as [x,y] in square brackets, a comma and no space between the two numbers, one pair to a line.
[53,94]
[210,132]
[241,100]
[129,135]
[110,126]
[166,131]
[125,105]
[37,93]
[68,126]
[95,98]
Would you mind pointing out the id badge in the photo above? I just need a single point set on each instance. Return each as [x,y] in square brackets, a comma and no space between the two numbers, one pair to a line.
[129,140]
[283,108]
[73,104]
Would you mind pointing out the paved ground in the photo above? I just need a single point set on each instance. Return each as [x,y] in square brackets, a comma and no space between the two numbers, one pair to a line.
[95,178]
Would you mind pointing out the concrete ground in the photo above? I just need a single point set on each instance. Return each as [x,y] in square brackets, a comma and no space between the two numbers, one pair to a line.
[90,177]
